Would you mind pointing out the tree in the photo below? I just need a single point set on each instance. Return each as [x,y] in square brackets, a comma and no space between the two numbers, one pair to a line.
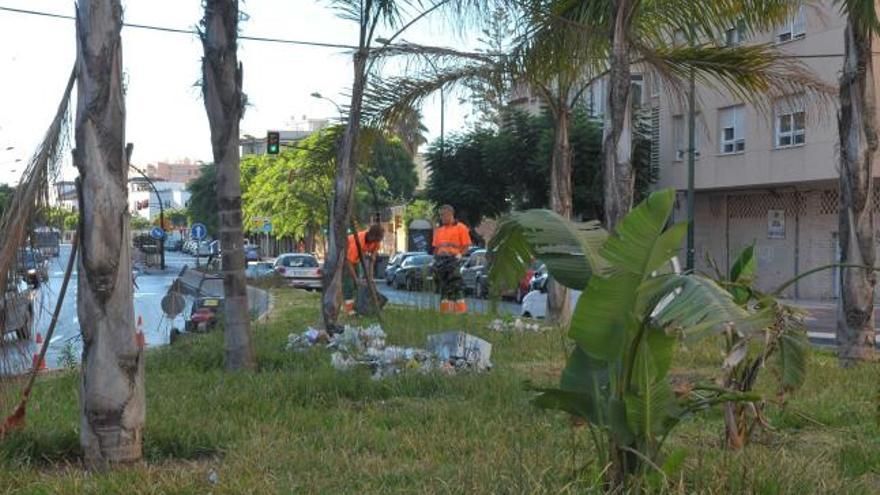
[489,95]
[224,103]
[857,125]
[391,160]
[176,217]
[140,223]
[112,393]
[202,205]
[369,16]
[71,221]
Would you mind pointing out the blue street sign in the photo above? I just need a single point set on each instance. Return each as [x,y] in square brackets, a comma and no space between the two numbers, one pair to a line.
[267,226]
[198,231]
[157,233]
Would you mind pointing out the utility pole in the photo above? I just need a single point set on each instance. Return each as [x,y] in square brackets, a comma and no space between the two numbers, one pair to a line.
[691,159]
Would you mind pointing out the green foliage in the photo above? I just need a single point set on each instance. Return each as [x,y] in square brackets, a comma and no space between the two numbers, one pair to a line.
[71,221]
[177,217]
[55,217]
[420,209]
[624,326]
[203,198]
[140,223]
[485,173]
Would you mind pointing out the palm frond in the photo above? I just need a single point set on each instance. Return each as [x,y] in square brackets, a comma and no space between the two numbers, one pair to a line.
[570,250]
[861,13]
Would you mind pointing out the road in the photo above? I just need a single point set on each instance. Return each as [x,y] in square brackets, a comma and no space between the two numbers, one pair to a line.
[426,300]
[151,287]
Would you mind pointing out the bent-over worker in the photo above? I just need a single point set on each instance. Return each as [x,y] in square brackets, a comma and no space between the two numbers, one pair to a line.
[370,240]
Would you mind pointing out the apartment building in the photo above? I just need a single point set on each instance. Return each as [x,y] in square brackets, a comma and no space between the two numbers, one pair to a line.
[184,171]
[143,200]
[766,176]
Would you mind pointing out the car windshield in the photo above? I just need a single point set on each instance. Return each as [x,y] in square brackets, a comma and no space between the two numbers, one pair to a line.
[300,262]
[417,260]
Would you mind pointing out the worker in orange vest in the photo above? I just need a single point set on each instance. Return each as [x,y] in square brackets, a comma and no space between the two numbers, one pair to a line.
[451,240]
[370,240]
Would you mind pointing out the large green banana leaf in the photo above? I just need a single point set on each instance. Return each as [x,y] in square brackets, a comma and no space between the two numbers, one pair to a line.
[607,313]
[570,250]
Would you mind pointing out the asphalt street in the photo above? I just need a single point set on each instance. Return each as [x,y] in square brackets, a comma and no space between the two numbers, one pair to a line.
[150,289]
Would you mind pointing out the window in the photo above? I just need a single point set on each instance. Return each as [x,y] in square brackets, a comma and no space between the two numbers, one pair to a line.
[636,90]
[735,35]
[732,129]
[794,28]
[680,137]
[790,125]
[596,103]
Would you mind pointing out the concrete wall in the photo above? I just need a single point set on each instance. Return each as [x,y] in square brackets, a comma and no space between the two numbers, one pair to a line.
[728,222]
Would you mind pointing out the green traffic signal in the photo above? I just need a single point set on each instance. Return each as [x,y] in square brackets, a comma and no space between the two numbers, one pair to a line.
[273,142]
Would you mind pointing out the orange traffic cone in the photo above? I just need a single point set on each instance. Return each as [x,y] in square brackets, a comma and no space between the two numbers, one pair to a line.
[39,338]
[446,306]
[39,364]
[461,306]
[139,340]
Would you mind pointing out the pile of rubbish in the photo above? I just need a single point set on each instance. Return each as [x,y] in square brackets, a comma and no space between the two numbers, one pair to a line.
[448,352]
[517,325]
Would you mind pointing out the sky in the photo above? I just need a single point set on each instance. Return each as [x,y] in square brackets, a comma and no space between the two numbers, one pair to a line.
[165,115]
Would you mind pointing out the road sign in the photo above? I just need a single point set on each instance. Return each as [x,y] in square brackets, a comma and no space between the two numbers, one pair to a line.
[157,233]
[173,304]
[198,231]
[267,226]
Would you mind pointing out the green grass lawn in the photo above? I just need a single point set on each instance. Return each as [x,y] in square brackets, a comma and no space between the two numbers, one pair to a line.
[299,426]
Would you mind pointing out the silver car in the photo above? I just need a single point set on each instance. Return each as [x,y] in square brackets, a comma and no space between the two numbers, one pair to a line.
[301,269]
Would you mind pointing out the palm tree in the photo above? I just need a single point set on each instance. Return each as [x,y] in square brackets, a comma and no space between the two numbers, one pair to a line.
[857,126]
[112,402]
[224,102]
[643,34]
[370,15]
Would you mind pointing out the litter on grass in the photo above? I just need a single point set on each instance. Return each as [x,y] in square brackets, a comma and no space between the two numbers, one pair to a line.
[449,352]
[517,325]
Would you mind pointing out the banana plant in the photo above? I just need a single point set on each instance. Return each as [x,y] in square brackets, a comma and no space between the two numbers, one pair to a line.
[625,327]
[783,342]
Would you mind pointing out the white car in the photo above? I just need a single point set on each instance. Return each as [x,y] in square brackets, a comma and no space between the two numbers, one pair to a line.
[302,269]
[534,304]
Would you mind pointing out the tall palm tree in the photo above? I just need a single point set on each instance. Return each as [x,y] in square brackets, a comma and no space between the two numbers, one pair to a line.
[857,125]
[370,15]
[224,102]
[643,33]
[112,396]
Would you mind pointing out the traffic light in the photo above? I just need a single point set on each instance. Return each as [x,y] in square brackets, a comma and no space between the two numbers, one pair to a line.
[273,142]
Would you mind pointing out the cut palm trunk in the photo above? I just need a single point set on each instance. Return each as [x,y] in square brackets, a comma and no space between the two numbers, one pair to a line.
[858,145]
[224,102]
[112,396]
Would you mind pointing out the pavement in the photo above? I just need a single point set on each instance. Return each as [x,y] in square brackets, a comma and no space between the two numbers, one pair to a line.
[151,286]
[822,321]
[427,300]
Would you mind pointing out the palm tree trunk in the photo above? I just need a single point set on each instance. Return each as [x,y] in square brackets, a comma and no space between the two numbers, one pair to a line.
[617,145]
[558,300]
[858,144]
[343,199]
[224,102]
[112,398]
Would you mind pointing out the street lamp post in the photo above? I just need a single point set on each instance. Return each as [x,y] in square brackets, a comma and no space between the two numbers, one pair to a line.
[338,108]
[690,185]
[161,215]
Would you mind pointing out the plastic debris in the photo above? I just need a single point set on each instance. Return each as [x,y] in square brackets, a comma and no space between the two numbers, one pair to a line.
[448,352]
[516,325]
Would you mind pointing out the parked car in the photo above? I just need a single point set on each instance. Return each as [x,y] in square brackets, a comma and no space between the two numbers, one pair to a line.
[252,252]
[475,278]
[415,273]
[204,248]
[395,262]
[259,269]
[534,304]
[203,315]
[32,267]
[190,246]
[301,269]
[472,272]
[16,309]
[173,245]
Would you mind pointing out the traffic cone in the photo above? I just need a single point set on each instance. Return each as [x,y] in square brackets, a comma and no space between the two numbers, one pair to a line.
[461,306]
[39,338]
[39,364]
[139,339]
[446,306]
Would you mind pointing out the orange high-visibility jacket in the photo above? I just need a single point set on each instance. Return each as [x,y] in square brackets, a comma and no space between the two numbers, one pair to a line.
[352,253]
[451,239]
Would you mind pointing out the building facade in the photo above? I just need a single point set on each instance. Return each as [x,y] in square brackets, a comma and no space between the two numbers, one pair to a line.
[144,202]
[766,175]
[185,171]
